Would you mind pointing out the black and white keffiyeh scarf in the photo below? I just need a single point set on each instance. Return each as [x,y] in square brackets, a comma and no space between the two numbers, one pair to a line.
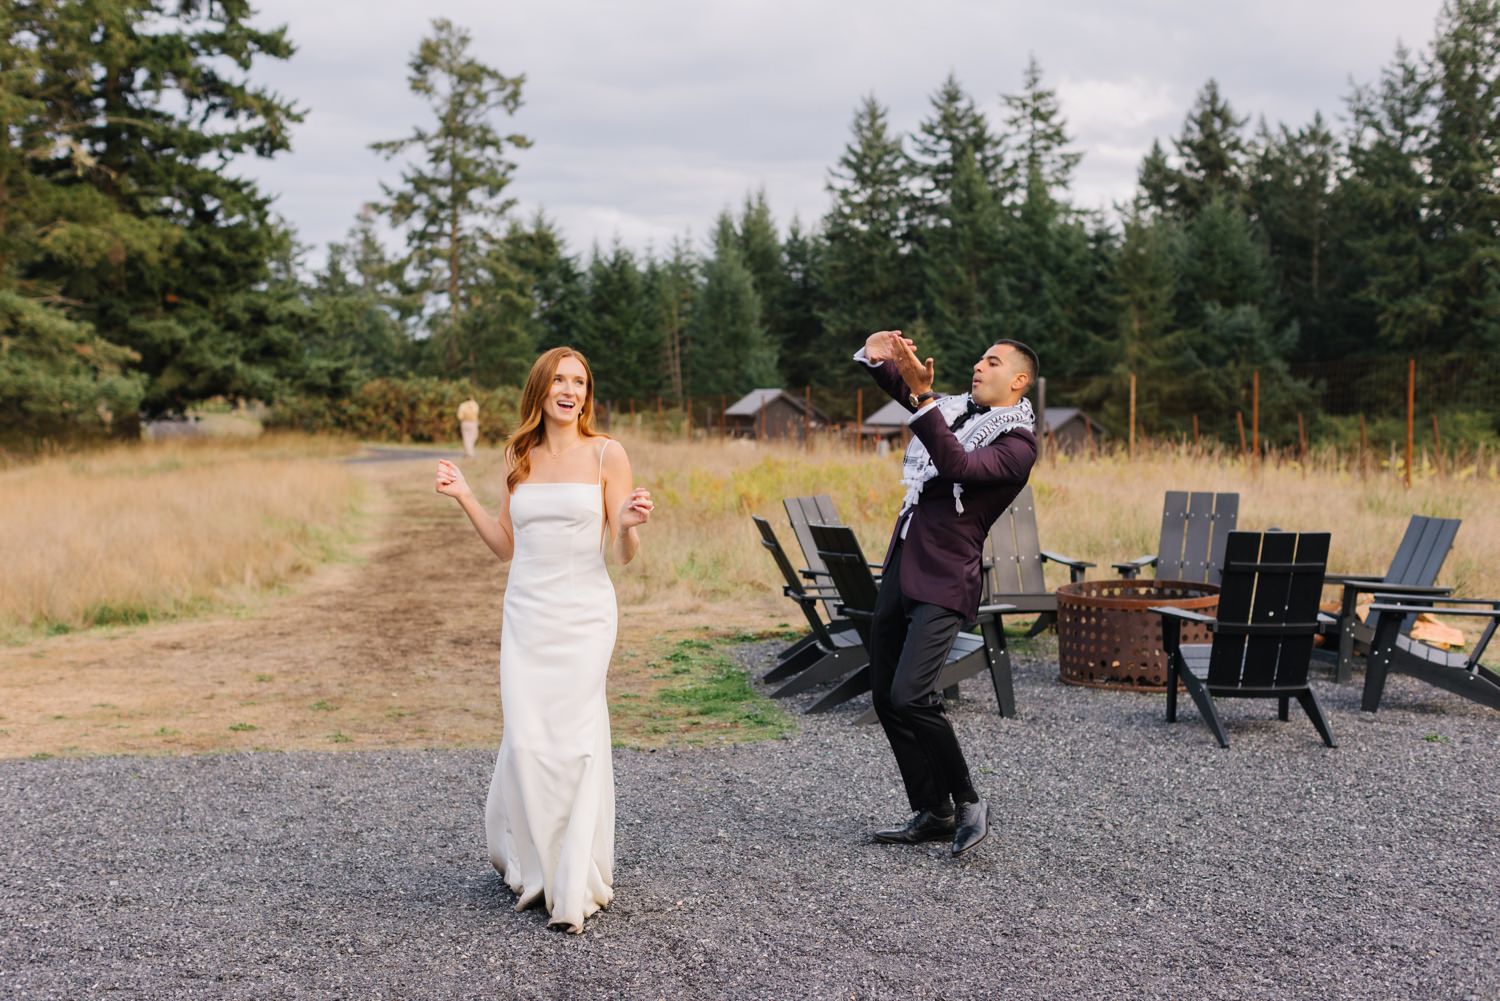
[982,430]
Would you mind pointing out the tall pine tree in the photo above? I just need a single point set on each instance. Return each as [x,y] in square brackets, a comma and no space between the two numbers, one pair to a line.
[451,200]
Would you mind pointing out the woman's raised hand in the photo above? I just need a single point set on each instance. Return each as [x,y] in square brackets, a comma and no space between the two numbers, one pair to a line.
[637,509]
[450,480]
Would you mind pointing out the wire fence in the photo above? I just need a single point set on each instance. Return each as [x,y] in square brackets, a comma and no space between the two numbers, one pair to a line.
[1394,415]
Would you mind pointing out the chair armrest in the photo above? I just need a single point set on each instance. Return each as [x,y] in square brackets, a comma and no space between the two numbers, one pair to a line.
[1491,612]
[996,609]
[1381,587]
[1068,561]
[854,613]
[1349,578]
[813,592]
[1185,615]
[1132,567]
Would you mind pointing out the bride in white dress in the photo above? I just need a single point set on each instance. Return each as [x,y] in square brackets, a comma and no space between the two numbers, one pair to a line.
[550,815]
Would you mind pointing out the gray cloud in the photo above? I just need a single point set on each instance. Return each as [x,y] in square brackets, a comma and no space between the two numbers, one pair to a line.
[650,117]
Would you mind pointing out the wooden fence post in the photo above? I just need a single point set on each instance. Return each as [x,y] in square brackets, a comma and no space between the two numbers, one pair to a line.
[1196,442]
[859,420]
[1437,447]
[1255,413]
[1041,418]
[1364,447]
[1239,423]
[807,417]
[1411,413]
[1132,415]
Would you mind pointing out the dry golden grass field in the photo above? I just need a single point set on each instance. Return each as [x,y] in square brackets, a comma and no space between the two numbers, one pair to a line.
[265,594]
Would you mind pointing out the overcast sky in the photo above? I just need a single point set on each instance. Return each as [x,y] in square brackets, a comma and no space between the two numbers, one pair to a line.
[650,116]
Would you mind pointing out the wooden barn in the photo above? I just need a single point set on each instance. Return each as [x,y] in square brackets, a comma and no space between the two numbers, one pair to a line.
[772,413]
[1070,429]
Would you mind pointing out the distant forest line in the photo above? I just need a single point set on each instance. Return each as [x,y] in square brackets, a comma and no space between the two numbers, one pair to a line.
[139,275]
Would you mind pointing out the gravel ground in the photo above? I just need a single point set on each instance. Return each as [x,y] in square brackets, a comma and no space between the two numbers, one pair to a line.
[1128,859]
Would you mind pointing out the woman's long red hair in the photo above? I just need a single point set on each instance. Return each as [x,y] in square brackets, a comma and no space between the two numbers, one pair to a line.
[529,429]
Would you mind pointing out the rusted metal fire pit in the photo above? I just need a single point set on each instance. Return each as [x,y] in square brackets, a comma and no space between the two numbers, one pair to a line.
[1108,637]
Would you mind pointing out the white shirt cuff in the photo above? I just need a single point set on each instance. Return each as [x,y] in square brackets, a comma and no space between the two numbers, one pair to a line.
[859,356]
[922,410]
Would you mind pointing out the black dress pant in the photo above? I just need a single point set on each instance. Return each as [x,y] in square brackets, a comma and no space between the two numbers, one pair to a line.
[910,641]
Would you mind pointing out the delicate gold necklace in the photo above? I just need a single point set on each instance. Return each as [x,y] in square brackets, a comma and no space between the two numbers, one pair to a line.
[561,451]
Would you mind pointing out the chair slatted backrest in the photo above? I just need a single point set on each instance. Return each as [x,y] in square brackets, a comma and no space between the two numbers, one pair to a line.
[1013,551]
[850,573]
[1268,609]
[1423,549]
[802,512]
[1194,527]
[789,574]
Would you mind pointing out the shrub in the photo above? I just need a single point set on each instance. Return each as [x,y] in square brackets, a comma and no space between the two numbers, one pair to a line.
[403,410]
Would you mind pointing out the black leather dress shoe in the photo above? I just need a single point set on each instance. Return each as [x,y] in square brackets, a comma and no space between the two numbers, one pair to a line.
[923,826]
[971,826]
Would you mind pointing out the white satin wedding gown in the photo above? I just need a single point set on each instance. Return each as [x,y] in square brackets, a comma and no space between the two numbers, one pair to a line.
[550,815]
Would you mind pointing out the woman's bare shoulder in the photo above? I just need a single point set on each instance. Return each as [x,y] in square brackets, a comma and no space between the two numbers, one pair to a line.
[612,454]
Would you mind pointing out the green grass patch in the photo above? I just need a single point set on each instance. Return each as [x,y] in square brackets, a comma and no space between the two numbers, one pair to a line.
[243,727]
[706,698]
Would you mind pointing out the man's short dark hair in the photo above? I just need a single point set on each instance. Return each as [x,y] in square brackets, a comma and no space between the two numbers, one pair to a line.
[1031,365]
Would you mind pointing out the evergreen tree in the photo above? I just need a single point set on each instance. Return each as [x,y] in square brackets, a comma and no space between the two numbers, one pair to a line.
[1049,270]
[1154,180]
[729,352]
[452,197]
[1211,155]
[1036,139]
[760,249]
[955,222]
[621,333]
[866,280]
[1291,192]
[805,358]
[559,287]
[1461,154]
[1148,341]
[120,115]
[1385,269]
[675,283]
[356,331]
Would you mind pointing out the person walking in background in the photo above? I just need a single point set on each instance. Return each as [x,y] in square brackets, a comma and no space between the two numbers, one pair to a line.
[569,497]
[969,457]
[468,424]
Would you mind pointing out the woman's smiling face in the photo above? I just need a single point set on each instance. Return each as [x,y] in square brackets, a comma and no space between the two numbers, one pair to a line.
[569,390]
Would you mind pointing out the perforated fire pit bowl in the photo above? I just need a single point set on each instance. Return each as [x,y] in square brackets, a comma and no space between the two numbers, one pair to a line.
[1108,637]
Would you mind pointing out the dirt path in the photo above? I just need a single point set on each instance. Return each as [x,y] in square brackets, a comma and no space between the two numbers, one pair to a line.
[395,647]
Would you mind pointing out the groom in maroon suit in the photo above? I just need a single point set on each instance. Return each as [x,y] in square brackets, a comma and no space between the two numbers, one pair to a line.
[970,456]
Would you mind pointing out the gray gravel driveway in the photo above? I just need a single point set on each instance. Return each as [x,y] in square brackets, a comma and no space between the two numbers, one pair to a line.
[1130,859]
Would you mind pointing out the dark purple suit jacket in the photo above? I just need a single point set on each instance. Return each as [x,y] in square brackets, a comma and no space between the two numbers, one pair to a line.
[942,555]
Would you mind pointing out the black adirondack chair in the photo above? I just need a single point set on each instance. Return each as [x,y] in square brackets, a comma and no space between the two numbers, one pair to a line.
[830,649]
[1191,546]
[802,512]
[857,589]
[1393,649]
[1013,558]
[1411,576]
[1263,633]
